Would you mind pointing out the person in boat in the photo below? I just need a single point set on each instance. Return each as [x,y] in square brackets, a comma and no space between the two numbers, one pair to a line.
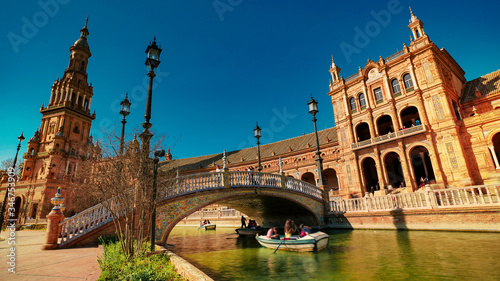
[243,222]
[208,221]
[304,230]
[252,224]
[290,229]
[205,222]
[201,223]
[273,233]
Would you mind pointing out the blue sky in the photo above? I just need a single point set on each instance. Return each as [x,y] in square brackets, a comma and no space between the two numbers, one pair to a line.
[225,64]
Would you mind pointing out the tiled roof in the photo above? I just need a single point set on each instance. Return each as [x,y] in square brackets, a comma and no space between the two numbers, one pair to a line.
[250,154]
[487,84]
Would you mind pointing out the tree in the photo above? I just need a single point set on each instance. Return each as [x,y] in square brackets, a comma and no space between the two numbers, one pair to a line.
[123,184]
[7,163]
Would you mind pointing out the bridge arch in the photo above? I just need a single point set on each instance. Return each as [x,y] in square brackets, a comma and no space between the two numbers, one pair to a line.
[270,201]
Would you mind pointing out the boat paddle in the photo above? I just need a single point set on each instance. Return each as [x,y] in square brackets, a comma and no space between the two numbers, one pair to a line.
[279,245]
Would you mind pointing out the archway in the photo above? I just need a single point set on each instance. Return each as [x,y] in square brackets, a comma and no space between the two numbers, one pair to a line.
[363,131]
[496,149]
[422,166]
[17,206]
[384,125]
[370,175]
[332,183]
[394,169]
[309,178]
[410,117]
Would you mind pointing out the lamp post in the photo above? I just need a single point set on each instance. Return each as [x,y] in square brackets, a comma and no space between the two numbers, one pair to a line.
[258,133]
[20,138]
[153,61]
[125,110]
[158,153]
[313,109]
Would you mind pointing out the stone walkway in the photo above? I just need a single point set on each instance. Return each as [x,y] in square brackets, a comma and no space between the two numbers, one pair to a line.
[34,264]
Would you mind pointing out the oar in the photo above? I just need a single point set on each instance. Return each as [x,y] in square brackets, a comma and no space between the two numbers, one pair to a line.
[279,245]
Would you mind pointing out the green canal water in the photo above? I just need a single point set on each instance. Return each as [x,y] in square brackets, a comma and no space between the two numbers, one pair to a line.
[352,255]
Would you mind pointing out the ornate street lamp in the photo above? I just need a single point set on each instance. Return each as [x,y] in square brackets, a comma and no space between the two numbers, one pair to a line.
[158,153]
[258,133]
[153,61]
[313,109]
[20,138]
[124,111]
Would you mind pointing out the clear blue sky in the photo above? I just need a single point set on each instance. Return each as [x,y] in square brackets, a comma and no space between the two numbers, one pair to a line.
[225,64]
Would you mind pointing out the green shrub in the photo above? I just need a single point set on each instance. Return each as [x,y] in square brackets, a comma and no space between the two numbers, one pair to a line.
[115,266]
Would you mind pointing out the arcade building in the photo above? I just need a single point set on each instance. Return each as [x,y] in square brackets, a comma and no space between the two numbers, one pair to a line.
[400,121]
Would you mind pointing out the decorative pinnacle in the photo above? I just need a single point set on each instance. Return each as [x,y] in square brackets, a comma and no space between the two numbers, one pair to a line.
[224,160]
[280,164]
[86,21]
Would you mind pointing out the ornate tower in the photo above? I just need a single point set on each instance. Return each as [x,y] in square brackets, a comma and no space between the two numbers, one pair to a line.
[64,131]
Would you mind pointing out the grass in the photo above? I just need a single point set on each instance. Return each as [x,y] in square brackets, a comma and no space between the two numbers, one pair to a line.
[115,265]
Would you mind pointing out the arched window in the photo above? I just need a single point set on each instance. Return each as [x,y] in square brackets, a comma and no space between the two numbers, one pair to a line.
[362,101]
[82,66]
[408,81]
[396,89]
[352,101]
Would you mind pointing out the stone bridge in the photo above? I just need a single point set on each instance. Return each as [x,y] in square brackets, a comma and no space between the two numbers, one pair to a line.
[268,198]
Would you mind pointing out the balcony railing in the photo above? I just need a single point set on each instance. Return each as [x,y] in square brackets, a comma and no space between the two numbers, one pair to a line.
[389,137]
[354,76]
[391,57]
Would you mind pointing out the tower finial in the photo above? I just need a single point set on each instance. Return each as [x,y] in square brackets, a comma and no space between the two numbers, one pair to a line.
[413,17]
[86,21]
[333,62]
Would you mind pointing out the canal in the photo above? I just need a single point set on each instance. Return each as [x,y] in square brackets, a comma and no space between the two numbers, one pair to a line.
[352,255]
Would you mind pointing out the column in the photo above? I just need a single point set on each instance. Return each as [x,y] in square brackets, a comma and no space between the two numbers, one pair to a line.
[494,155]
[395,118]
[406,166]
[381,179]
[54,92]
[386,87]
[421,110]
[422,156]
[412,73]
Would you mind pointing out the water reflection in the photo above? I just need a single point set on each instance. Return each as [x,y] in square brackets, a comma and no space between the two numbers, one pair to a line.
[352,255]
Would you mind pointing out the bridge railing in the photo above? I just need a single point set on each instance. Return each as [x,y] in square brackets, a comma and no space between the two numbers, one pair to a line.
[481,195]
[102,213]
[216,180]
[87,220]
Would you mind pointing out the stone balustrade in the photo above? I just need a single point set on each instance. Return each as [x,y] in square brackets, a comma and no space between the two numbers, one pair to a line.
[481,195]
[389,137]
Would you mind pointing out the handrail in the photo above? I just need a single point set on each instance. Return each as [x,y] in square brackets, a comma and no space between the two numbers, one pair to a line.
[216,180]
[87,220]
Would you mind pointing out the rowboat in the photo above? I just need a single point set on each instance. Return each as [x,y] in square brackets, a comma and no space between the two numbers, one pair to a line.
[249,231]
[207,226]
[310,243]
